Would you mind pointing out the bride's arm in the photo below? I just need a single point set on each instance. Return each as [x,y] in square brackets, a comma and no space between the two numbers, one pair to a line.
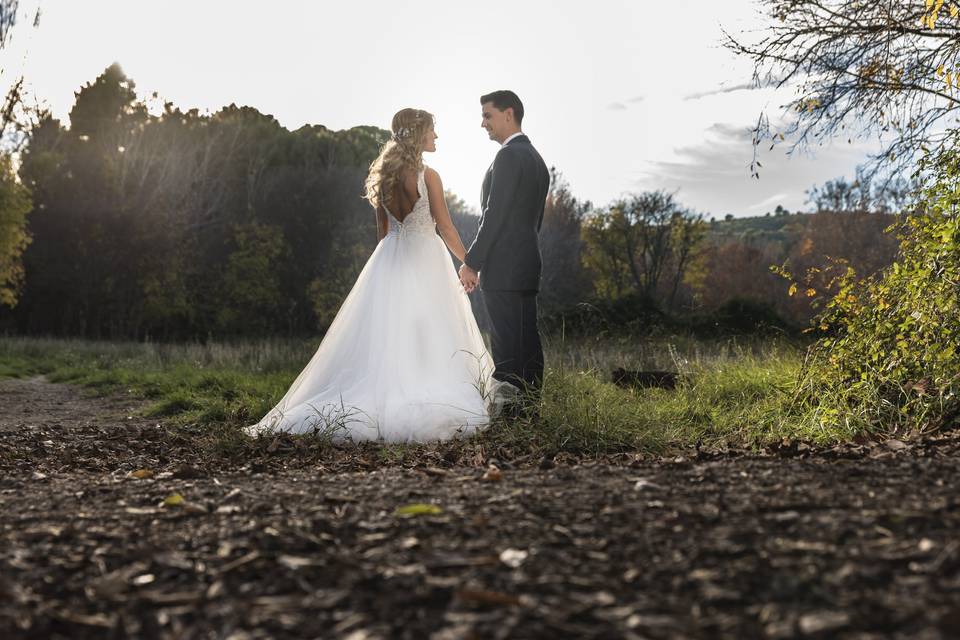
[383,225]
[441,215]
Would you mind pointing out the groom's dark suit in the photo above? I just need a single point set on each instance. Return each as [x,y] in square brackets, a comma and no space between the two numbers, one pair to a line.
[507,255]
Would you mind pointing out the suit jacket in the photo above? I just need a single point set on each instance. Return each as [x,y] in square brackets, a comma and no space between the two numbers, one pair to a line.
[506,251]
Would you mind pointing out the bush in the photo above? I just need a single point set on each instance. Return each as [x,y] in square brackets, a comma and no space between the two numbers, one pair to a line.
[887,358]
[740,317]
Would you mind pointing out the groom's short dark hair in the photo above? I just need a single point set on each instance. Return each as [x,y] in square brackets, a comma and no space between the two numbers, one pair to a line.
[504,100]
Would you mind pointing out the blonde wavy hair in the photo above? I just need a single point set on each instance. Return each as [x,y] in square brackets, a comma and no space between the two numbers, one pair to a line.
[402,152]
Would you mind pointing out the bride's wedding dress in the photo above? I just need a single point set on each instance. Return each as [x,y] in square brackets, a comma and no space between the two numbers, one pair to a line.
[404,359]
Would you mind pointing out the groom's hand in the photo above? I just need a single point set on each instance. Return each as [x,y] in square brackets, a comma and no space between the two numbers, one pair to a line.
[468,278]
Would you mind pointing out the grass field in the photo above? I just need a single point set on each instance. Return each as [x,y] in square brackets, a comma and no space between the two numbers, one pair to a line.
[735,391]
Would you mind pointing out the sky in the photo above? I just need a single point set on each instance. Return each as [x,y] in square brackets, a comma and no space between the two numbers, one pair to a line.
[621,96]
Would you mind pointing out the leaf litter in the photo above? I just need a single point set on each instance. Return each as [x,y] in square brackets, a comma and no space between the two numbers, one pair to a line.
[791,541]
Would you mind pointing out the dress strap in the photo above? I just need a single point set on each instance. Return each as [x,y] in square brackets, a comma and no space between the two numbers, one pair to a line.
[422,182]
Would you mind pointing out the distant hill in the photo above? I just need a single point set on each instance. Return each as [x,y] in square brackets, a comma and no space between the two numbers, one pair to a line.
[772,228]
[738,253]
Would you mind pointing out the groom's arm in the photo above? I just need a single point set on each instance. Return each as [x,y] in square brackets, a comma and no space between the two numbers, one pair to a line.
[503,188]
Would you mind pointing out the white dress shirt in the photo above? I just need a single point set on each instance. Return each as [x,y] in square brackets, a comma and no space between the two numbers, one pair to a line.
[518,133]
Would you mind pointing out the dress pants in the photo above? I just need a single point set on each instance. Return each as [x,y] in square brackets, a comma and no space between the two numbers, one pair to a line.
[514,337]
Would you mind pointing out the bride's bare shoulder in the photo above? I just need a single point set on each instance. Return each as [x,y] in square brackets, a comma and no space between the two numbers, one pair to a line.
[431,177]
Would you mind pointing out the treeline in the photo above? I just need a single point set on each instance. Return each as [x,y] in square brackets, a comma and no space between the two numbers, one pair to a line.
[185,225]
[648,259]
[182,225]
[817,246]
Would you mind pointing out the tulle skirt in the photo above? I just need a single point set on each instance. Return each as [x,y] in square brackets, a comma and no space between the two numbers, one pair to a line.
[403,361]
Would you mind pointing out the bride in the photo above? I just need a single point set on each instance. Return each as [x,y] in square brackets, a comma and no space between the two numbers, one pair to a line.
[403,359]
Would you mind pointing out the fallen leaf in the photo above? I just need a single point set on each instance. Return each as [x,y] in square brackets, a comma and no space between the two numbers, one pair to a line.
[822,621]
[492,474]
[215,590]
[239,562]
[643,483]
[141,474]
[418,509]
[296,562]
[173,500]
[895,445]
[111,585]
[228,508]
[513,558]
[103,620]
[194,507]
[186,471]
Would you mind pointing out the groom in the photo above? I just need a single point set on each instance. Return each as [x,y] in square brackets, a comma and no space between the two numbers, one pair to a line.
[505,256]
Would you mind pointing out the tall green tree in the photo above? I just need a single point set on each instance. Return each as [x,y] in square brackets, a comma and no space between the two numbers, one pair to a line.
[639,244]
[182,224]
[15,118]
[14,206]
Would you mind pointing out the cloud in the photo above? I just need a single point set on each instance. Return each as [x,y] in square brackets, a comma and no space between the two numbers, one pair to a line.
[724,135]
[713,175]
[776,198]
[721,90]
[620,106]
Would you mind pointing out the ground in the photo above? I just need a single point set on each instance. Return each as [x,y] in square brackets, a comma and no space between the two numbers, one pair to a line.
[856,541]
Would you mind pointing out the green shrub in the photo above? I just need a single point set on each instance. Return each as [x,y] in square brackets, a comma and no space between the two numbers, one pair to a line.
[887,360]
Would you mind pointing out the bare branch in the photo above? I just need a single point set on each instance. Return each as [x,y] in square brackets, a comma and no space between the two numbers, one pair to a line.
[872,68]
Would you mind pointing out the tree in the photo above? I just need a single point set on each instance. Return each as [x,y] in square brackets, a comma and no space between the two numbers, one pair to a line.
[859,68]
[563,283]
[16,117]
[14,198]
[179,225]
[687,233]
[14,206]
[635,241]
[891,196]
[604,255]
[464,218]
[251,290]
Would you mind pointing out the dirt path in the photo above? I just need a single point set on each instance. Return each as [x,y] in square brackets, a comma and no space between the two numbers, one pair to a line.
[849,543]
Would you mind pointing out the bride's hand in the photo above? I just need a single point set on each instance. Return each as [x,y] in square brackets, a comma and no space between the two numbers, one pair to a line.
[468,278]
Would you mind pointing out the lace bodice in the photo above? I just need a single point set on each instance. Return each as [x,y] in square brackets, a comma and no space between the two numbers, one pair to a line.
[419,219]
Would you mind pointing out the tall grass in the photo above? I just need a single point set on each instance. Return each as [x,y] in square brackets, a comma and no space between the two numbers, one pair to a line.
[728,392]
[733,391]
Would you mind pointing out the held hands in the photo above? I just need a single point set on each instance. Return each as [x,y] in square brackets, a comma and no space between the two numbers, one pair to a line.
[468,278]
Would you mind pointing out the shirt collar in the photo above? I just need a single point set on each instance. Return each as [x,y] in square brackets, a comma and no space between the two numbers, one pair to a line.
[518,133]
